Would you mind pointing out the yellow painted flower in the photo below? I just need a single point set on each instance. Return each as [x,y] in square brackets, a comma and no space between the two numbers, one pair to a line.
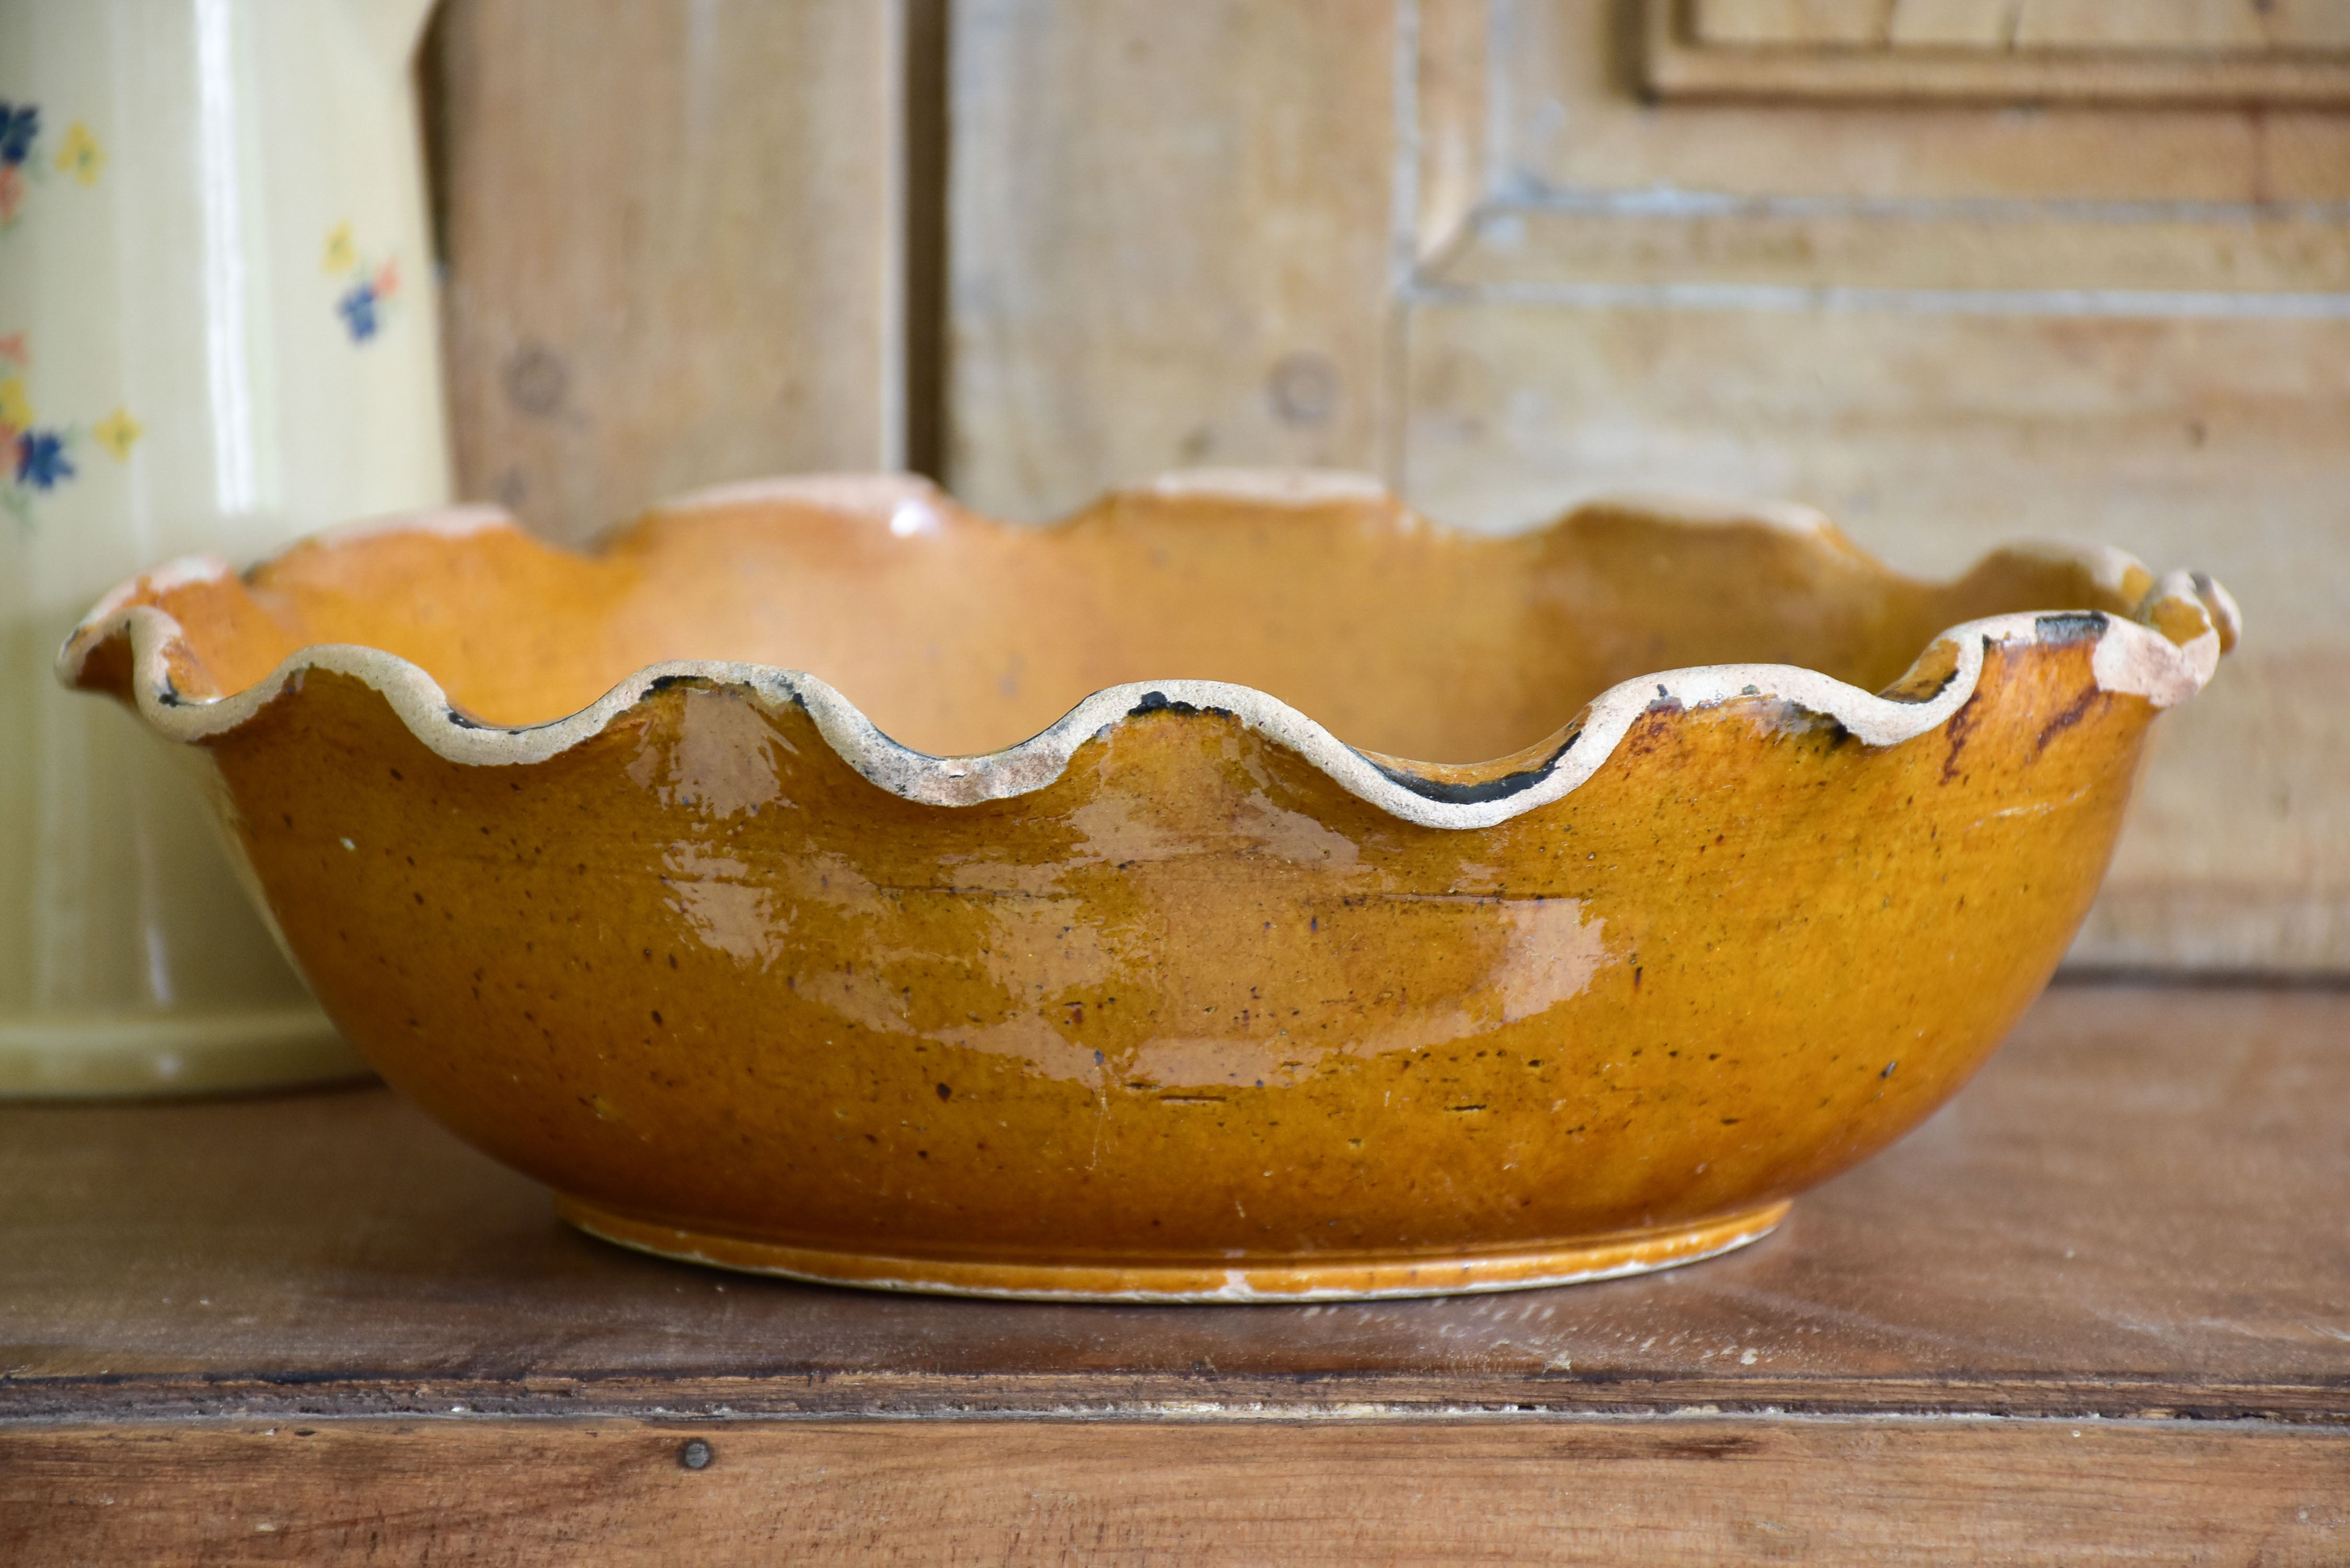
[16,409]
[117,431]
[342,255]
[81,156]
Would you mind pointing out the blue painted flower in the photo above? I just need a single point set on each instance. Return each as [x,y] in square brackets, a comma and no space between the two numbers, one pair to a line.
[19,123]
[357,310]
[41,459]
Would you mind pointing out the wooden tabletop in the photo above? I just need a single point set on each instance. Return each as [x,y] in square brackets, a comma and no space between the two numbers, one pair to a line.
[2102,1298]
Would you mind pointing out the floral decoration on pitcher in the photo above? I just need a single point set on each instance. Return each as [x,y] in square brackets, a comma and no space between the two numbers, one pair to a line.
[22,156]
[34,457]
[370,286]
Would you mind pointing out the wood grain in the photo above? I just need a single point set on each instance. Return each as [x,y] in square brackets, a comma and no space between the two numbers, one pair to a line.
[2130,1211]
[1689,1489]
[1448,121]
[673,242]
[1574,116]
[1170,241]
[2094,1310]
[1834,23]
[1943,24]
[2245,53]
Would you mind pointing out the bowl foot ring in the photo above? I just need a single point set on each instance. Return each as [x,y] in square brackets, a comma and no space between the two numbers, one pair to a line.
[1264,1280]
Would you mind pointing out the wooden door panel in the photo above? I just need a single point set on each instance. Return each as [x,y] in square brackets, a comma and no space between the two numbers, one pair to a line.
[673,234]
[2246,53]
[1169,241]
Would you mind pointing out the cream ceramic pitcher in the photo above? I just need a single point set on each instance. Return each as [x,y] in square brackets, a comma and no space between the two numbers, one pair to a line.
[217,332]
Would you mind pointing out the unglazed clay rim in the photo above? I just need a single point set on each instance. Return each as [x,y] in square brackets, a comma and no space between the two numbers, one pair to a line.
[2130,656]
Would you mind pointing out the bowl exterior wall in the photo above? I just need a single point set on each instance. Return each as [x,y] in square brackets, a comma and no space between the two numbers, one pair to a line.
[1191,1000]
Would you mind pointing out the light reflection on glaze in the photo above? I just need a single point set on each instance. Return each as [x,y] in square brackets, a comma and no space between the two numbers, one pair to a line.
[1537,954]
[1056,966]
[718,761]
[1290,834]
[1554,949]
[1037,952]
[1120,830]
[717,898]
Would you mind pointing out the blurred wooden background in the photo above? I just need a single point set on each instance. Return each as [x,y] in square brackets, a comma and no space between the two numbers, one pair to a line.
[1955,270]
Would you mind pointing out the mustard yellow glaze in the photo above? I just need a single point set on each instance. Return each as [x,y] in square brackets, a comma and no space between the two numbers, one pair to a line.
[1190,1013]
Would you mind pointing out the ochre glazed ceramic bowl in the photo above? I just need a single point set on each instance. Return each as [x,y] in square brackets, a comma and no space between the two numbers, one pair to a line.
[1242,892]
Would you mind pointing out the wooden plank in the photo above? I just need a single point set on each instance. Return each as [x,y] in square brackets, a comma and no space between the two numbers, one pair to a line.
[1172,241]
[2305,23]
[927,114]
[2032,254]
[1952,23]
[1791,23]
[1671,1490]
[673,242]
[1574,117]
[2250,81]
[2231,52]
[2184,26]
[2128,1212]
[2175,26]
[1448,119]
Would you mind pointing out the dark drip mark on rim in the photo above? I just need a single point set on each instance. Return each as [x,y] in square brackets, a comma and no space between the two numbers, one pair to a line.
[1483,790]
[692,681]
[2071,626]
[1157,702]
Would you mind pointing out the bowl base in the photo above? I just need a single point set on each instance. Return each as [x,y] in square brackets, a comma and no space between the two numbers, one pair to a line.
[1360,1277]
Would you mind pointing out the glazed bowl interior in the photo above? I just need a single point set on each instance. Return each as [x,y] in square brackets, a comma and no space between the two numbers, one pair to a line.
[957,635]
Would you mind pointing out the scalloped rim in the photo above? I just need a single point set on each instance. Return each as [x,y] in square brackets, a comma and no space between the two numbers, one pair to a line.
[2130,656]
